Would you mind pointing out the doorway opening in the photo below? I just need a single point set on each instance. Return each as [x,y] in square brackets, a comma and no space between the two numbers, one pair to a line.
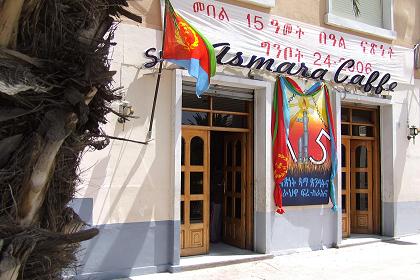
[228,178]
[360,171]
[216,171]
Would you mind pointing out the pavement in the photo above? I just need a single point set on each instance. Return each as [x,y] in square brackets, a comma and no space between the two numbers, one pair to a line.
[392,259]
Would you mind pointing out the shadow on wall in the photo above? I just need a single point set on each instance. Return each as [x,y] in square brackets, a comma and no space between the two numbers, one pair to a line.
[405,211]
[407,20]
[122,247]
[401,141]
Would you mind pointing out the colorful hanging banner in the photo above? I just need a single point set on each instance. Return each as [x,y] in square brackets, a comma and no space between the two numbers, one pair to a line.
[304,146]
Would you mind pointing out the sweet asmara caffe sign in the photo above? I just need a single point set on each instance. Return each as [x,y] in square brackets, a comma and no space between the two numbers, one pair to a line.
[251,39]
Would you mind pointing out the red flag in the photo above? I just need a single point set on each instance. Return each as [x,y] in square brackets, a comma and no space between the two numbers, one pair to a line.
[278,132]
[186,47]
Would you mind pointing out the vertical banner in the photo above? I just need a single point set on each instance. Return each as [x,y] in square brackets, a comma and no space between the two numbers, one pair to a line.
[310,145]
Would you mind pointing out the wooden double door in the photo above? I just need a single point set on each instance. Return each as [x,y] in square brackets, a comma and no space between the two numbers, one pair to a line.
[234,169]
[359,171]
[357,187]
[195,190]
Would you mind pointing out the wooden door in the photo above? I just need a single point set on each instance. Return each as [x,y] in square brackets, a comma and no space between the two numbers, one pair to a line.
[345,186]
[361,186]
[235,189]
[194,192]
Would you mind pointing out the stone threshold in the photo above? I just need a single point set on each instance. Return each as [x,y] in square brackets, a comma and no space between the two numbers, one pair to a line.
[220,255]
[362,239]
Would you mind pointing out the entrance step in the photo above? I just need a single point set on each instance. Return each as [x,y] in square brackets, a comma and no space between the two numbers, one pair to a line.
[220,254]
[362,239]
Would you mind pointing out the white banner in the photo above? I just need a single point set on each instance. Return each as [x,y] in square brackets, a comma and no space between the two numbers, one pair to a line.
[265,35]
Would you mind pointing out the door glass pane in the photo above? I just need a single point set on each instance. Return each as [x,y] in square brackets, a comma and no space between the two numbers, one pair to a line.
[182,183]
[238,208]
[191,101]
[196,211]
[345,129]
[361,116]
[361,180]
[361,201]
[229,206]
[195,118]
[197,151]
[238,153]
[343,155]
[362,130]
[183,151]
[343,203]
[343,180]
[361,157]
[229,155]
[238,182]
[182,212]
[225,120]
[196,183]
[229,181]
[345,114]
[229,104]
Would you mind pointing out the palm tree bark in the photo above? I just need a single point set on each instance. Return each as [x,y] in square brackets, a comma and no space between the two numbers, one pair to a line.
[55,91]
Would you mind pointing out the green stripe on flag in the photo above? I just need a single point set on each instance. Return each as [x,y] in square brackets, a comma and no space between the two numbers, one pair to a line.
[275,105]
[210,51]
[212,56]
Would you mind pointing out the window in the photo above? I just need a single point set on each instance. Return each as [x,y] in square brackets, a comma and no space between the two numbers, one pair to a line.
[263,3]
[371,11]
[214,109]
[375,16]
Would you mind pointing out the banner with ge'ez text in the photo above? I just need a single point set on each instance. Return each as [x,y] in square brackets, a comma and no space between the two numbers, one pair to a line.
[255,33]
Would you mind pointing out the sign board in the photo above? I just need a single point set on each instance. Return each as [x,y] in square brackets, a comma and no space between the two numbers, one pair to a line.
[249,32]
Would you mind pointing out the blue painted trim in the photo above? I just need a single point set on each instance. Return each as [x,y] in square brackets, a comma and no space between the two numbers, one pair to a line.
[129,249]
[84,208]
[117,274]
[300,229]
[407,217]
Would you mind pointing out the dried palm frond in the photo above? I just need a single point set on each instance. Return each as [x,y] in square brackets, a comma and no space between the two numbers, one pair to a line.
[356,9]
[57,72]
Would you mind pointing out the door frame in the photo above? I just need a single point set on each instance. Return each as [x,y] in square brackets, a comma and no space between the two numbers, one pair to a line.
[249,150]
[262,175]
[377,160]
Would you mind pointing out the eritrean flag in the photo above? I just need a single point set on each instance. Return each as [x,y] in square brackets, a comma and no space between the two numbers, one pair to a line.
[186,47]
[280,119]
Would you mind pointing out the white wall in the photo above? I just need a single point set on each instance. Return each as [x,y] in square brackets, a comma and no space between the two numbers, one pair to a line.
[131,182]
[406,110]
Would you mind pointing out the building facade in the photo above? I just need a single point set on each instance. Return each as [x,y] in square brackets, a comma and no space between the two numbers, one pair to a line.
[207,174]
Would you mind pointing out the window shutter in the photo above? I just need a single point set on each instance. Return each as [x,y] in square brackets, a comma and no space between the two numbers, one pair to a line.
[221,91]
[370,11]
